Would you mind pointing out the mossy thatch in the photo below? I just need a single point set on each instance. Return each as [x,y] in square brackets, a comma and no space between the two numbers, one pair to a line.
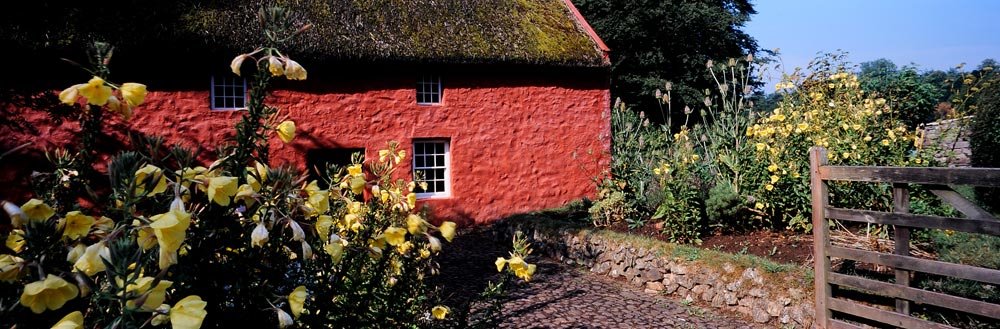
[444,31]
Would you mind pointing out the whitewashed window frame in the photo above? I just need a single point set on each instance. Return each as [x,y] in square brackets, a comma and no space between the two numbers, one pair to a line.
[429,87]
[230,95]
[446,173]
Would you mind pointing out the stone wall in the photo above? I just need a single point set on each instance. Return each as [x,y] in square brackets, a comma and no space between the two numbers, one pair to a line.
[776,299]
[950,141]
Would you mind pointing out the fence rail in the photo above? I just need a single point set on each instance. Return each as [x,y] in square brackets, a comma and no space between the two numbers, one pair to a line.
[936,180]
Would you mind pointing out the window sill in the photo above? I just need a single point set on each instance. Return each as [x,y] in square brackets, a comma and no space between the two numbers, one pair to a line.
[433,197]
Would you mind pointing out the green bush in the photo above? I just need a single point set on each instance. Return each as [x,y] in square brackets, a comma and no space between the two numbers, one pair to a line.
[985,138]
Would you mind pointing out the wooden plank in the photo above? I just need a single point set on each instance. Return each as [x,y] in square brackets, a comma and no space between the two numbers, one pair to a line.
[911,220]
[963,205]
[914,175]
[838,324]
[923,296]
[901,235]
[821,237]
[883,316]
[921,265]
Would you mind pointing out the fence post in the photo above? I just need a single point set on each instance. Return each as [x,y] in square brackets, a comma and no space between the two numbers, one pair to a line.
[821,238]
[901,235]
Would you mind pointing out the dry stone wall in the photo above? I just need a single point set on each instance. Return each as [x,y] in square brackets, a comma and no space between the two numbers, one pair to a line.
[949,139]
[744,290]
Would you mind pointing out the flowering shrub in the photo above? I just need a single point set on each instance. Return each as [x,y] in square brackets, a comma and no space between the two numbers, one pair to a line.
[677,177]
[825,108]
[236,243]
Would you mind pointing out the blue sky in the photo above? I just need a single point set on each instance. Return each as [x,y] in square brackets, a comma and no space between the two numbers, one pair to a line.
[931,34]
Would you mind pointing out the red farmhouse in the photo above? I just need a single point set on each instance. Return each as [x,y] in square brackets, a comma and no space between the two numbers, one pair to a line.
[501,105]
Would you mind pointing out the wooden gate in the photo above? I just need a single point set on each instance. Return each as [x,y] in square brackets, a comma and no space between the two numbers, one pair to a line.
[937,180]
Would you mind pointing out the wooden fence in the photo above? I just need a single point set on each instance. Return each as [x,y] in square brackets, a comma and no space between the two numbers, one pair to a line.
[937,180]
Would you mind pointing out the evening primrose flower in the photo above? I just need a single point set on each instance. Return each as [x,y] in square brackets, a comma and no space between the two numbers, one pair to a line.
[221,188]
[286,131]
[297,233]
[500,263]
[415,224]
[395,236]
[284,319]
[133,93]
[146,238]
[90,262]
[318,202]
[96,92]
[15,213]
[297,300]
[439,312]
[259,235]
[69,95]
[769,187]
[15,240]
[246,194]
[10,268]
[154,295]
[448,230]
[37,211]
[74,253]
[49,294]
[274,66]
[323,224]
[73,320]
[335,248]
[358,184]
[170,228]
[76,225]
[188,313]
[144,175]
[434,243]
[237,62]
[294,71]
[774,179]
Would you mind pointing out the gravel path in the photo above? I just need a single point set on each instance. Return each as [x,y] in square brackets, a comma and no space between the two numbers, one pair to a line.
[563,296]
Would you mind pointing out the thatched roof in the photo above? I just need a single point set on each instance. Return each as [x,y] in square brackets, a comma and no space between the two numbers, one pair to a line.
[476,31]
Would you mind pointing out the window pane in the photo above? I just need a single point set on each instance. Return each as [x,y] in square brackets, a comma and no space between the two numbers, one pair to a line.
[439,186]
[418,161]
[218,102]
[439,148]
[439,160]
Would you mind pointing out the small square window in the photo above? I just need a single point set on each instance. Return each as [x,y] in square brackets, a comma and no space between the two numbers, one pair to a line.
[431,162]
[228,92]
[429,90]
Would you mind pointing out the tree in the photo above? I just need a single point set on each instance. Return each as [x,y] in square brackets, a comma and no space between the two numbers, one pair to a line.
[655,41]
[913,96]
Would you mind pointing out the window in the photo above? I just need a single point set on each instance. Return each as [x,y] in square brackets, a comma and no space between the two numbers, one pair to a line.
[228,92]
[431,159]
[429,90]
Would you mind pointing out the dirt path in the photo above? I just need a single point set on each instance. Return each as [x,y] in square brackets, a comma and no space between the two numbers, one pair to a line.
[562,296]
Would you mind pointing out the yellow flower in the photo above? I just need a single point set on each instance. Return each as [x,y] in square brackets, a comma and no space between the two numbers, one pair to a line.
[294,71]
[51,293]
[323,224]
[526,272]
[10,268]
[133,93]
[885,142]
[259,235]
[274,66]
[395,236]
[774,179]
[761,146]
[439,312]
[297,300]
[769,187]
[144,175]
[354,170]
[170,228]
[335,249]
[246,193]
[69,95]
[15,240]
[318,202]
[188,313]
[772,168]
[76,225]
[96,92]
[286,131]
[91,263]
[759,205]
[411,200]
[448,230]
[415,224]
[868,138]
[155,297]
[358,184]
[37,211]
[500,263]
[146,238]
[73,320]
[237,62]
[221,188]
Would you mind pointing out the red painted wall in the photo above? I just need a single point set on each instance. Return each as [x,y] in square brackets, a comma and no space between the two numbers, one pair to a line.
[520,140]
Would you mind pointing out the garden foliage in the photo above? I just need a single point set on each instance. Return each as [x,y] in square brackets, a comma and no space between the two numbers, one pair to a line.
[237,243]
